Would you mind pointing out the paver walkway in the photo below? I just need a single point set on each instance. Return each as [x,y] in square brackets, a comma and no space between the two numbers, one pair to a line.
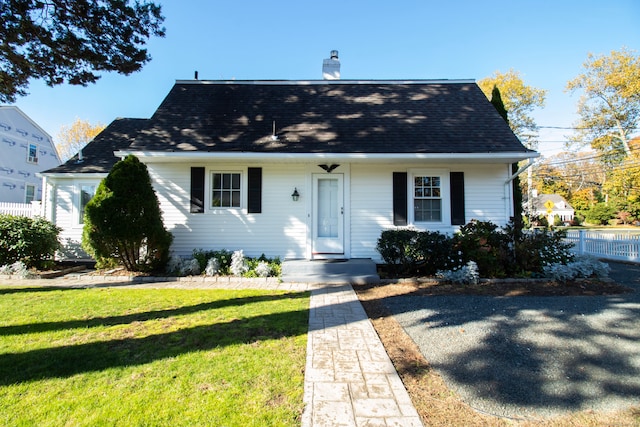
[349,378]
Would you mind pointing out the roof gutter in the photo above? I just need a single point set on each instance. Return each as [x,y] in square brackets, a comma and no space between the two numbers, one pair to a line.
[163,156]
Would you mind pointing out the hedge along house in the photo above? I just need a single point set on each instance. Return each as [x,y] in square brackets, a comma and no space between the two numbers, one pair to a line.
[306,169]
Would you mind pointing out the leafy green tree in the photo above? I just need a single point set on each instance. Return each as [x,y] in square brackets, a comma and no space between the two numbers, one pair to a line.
[519,100]
[623,185]
[600,214]
[69,41]
[123,222]
[609,107]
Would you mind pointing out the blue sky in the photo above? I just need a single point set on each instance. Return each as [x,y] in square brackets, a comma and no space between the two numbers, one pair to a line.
[547,41]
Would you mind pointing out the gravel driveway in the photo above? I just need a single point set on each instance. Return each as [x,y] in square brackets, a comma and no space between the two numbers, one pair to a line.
[532,356]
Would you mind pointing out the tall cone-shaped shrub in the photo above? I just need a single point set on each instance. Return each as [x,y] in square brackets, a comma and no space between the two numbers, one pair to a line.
[123,223]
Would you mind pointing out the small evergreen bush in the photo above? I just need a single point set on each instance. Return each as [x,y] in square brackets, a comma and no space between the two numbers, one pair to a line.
[496,252]
[397,248]
[541,247]
[34,241]
[123,222]
[408,251]
[487,245]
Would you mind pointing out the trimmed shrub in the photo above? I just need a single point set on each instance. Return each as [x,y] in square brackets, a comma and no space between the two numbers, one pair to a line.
[541,247]
[487,245]
[409,251]
[496,252]
[34,241]
[123,222]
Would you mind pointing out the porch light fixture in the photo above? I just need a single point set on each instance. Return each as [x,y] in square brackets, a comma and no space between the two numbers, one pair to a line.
[295,195]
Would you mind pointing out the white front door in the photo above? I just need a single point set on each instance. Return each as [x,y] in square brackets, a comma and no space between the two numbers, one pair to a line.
[328,215]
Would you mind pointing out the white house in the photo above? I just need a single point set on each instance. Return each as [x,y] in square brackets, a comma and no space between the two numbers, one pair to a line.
[552,206]
[306,169]
[25,150]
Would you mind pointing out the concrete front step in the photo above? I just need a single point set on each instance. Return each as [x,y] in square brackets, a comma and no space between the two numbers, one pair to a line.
[356,271]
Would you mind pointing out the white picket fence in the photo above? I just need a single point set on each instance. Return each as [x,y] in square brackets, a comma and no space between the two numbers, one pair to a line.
[613,245]
[21,209]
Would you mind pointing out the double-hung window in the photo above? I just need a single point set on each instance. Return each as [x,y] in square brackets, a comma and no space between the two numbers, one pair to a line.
[427,198]
[87,191]
[30,193]
[32,154]
[225,189]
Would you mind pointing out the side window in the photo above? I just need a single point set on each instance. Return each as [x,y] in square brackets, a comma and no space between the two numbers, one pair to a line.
[30,193]
[86,193]
[427,198]
[225,189]
[32,155]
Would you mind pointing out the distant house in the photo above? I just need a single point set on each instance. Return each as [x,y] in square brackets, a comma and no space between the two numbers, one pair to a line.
[552,206]
[25,150]
[307,169]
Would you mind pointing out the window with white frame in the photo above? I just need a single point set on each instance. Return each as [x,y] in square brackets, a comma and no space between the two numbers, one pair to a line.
[32,153]
[87,192]
[225,189]
[427,198]
[30,193]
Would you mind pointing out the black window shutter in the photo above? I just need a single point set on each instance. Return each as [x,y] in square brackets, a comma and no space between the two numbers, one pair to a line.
[399,198]
[254,190]
[197,190]
[456,180]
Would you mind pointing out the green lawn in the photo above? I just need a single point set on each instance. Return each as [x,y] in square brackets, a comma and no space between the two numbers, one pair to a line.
[135,357]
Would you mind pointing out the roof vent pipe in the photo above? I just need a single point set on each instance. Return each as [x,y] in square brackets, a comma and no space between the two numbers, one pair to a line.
[331,67]
[195,75]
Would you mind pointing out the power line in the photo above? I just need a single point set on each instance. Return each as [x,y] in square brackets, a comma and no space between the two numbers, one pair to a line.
[577,128]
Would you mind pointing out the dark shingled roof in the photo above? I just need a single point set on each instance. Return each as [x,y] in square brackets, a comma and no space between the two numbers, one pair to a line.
[311,117]
[98,154]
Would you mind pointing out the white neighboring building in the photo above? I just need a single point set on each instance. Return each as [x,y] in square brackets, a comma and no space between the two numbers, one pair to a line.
[551,206]
[25,150]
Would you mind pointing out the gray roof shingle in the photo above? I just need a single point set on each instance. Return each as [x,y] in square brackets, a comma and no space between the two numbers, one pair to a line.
[324,117]
[97,156]
[310,117]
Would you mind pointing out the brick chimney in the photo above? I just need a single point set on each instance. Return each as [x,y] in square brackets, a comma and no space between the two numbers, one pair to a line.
[331,67]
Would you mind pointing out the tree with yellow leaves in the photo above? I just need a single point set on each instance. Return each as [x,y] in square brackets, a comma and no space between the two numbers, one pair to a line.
[519,100]
[609,107]
[72,139]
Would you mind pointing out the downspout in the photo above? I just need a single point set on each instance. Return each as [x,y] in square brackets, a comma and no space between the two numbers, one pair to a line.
[519,171]
[509,184]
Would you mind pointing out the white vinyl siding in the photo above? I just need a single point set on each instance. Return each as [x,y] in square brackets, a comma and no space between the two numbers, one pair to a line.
[280,230]
[66,214]
[284,226]
[486,198]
